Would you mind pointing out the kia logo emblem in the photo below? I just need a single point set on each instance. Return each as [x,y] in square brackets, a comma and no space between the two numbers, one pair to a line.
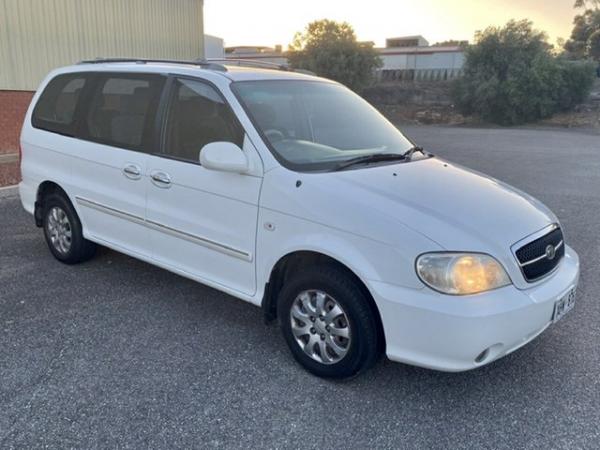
[550,252]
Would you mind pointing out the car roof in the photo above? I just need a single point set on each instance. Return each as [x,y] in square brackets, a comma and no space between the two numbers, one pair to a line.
[232,72]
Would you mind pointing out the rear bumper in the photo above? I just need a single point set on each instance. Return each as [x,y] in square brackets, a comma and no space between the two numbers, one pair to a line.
[27,193]
[436,331]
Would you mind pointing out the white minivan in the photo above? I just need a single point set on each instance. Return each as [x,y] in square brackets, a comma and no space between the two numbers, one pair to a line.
[292,193]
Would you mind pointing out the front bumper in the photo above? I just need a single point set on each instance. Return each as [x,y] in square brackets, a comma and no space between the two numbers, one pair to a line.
[437,331]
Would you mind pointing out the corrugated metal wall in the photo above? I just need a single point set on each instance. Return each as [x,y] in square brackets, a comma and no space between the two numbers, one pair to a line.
[39,35]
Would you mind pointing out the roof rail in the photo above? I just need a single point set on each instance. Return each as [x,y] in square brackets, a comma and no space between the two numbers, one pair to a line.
[199,62]
[250,63]
[257,64]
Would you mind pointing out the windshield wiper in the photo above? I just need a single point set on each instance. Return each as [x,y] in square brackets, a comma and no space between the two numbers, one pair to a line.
[373,158]
[411,151]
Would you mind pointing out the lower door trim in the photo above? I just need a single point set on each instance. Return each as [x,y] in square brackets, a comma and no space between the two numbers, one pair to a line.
[195,239]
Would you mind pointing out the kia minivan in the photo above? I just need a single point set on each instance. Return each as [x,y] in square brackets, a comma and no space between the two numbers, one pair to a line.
[292,193]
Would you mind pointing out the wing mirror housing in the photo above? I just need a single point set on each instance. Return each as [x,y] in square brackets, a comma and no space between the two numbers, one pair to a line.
[224,157]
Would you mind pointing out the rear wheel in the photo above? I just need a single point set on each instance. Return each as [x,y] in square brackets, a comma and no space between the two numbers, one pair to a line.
[328,323]
[63,232]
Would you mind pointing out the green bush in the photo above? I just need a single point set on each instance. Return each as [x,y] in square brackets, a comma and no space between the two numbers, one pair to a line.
[511,77]
[577,79]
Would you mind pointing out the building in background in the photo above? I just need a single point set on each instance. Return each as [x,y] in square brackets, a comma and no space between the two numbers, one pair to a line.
[37,36]
[404,58]
[407,41]
[412,58]
[214,47]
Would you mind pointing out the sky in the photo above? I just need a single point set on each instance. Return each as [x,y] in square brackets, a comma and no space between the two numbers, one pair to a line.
[271,22]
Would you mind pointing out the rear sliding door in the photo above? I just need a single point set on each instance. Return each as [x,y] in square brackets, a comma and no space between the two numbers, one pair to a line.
[116,132]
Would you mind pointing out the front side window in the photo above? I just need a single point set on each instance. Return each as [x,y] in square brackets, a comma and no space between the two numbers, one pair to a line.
[198,115]
[312,125]
[123,109]
[55,110]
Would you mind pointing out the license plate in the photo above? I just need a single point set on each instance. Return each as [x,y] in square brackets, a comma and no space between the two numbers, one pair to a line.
[563,305]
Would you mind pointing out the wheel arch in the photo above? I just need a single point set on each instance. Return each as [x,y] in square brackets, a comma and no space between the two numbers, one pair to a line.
[295,260]
[44,189]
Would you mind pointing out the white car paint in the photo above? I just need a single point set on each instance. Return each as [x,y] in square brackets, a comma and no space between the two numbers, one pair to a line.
[228,230]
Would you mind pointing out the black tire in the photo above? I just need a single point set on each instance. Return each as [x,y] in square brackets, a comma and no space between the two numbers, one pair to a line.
[80,249]
[364,347]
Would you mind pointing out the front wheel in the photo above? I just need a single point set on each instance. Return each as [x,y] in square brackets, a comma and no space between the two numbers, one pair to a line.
[328,323]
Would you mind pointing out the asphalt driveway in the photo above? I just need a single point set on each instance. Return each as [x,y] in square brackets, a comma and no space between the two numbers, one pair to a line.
[117,353]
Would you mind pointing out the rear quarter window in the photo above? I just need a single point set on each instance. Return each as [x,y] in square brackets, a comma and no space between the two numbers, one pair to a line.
[55,109]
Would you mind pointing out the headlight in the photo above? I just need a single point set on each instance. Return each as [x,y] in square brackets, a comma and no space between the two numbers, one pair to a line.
[461,273]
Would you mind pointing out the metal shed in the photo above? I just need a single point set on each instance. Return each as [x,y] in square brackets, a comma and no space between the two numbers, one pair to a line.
[39,35]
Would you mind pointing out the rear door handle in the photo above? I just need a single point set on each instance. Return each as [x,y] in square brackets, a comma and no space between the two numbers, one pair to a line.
[161,179]
[132,172]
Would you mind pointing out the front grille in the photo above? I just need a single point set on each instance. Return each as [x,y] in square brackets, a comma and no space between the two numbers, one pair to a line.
[536,258]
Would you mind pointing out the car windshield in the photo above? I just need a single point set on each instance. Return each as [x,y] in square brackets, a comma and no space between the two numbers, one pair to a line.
[316,126]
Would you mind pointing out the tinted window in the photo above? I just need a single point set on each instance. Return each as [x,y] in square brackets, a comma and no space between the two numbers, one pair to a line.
[55,110]
[122,110]
[197,116]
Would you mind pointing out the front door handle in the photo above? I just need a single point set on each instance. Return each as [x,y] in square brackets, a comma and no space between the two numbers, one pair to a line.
[132,172]
[161,179]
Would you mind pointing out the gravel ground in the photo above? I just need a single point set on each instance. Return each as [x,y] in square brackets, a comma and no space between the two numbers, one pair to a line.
[117,353]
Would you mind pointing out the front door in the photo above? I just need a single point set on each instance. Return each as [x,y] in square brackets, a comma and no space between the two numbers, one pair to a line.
[202,222]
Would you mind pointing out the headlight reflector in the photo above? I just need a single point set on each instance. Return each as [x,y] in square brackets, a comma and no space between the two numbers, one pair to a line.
[461,273]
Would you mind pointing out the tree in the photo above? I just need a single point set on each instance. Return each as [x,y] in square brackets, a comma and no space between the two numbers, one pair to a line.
[593,47]
[511,77]
[584,25]
[330,49]
[585,3]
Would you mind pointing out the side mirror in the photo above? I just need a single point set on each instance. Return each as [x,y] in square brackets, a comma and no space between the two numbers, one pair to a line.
[225,157]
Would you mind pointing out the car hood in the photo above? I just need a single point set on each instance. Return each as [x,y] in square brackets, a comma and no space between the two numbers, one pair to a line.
[450,204]
[457,208]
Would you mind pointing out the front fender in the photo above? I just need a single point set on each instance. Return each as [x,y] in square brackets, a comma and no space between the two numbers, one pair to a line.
[370,260]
